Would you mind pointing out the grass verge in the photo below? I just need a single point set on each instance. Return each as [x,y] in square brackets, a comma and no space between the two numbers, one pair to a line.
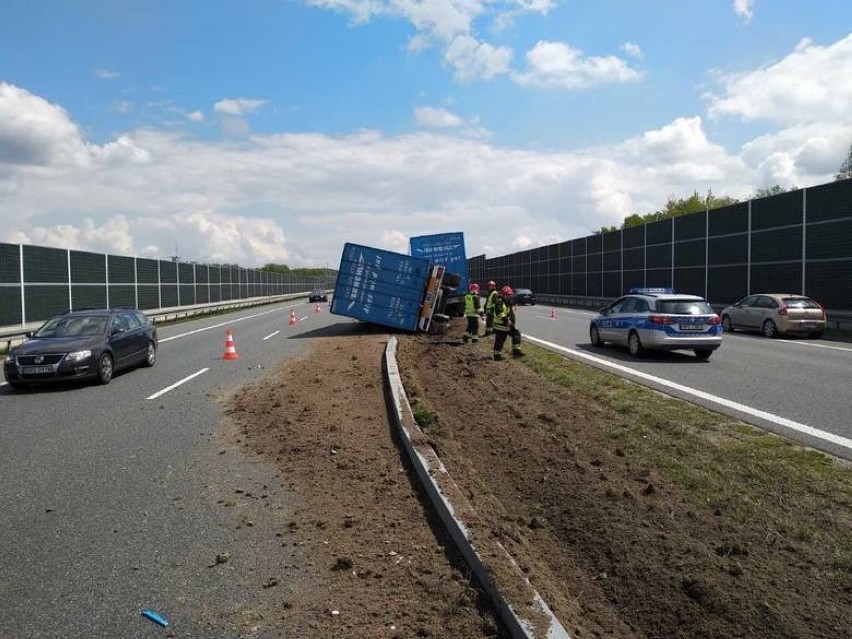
[803,497]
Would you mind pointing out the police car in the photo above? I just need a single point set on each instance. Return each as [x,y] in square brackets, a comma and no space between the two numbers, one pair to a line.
[659,319]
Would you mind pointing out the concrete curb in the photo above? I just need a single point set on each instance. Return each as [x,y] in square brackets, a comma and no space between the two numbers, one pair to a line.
[488,559]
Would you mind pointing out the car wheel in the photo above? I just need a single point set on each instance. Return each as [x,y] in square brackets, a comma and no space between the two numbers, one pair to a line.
[727,324]
[770,329]
[634,344]
[105,368]
[816,334]
[595,336]
[703,353]
[150,355]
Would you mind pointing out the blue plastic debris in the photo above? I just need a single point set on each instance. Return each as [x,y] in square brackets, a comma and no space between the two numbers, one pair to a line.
[157,619]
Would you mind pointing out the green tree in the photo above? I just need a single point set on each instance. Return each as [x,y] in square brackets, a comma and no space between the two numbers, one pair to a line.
[275,268]
[775,189]
[675,207]
[845,168]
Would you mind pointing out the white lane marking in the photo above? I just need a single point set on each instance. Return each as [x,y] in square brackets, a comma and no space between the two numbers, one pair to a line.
[304,318]
[176,384]
[567,311]
[833,348]
[777,419]
[271,335]
[233,321]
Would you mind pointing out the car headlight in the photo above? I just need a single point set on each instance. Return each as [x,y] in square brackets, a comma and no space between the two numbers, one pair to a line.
[78,356]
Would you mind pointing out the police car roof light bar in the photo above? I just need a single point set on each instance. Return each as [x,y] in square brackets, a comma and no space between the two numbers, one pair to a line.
[650,290]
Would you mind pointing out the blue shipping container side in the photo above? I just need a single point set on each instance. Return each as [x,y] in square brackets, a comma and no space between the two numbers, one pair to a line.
[381,287]
[444,249]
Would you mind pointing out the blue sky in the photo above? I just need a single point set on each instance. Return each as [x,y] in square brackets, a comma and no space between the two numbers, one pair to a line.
[277,130]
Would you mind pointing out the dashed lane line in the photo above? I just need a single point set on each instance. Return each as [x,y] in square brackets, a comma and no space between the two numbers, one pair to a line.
[176,384]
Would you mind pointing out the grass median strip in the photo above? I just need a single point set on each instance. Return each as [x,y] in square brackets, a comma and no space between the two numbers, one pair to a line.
[802,496]
[635,513]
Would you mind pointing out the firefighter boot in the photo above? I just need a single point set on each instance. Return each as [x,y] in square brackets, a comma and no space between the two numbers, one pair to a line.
[498,356]
[517,352]
[465,338]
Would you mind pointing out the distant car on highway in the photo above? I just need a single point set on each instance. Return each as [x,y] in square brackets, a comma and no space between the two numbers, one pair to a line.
[318,295]
[658,319]
[775,314]
[522,297]
[83,344]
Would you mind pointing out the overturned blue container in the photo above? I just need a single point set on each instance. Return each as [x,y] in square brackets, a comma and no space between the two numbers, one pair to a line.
[446,249]
[381,287]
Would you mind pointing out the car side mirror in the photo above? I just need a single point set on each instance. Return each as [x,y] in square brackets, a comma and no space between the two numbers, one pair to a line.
[28,334]
[116,331]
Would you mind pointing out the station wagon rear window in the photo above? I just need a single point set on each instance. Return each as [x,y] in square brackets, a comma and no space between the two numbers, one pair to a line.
[684,307]
[800,302]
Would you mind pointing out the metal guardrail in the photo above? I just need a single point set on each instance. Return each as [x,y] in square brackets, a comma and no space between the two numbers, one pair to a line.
[11,335]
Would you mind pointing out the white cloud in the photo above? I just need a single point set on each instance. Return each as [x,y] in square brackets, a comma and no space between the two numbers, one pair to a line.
[296,198]
[451,24]
[36,132]
[195,116]
[112,235]
[744,9]
[558,65]
[472,59]
[238,106]
[433,118]
[806,86]
[104,74]
[437,118]
[799,155]
[632,49]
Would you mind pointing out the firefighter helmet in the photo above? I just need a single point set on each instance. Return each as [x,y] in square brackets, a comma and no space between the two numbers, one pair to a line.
[491,284]
[507,291]
[474,287]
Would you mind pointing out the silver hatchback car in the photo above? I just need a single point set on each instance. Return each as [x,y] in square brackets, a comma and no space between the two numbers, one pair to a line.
[658,319]
[775,314]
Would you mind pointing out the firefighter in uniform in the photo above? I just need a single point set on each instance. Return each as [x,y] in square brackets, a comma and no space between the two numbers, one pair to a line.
[504,325]
[489,306]
[472,312]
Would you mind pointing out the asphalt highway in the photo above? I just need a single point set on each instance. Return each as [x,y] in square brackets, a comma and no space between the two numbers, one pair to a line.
[799,388]
[116,499]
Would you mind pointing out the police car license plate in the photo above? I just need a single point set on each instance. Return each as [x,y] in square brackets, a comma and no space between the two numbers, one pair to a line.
[37,370]
[691,327]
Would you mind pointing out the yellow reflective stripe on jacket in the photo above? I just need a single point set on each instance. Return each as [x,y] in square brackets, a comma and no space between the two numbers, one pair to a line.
[471,304]
[490,300]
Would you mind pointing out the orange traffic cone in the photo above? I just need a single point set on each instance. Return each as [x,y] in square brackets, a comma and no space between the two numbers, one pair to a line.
[292,318]
[318,309]
[230,347]
[552,313]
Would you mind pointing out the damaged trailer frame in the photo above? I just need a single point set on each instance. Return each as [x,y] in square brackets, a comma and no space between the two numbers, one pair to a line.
[391,289]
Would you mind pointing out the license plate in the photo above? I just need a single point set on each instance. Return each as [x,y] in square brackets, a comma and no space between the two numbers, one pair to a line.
[807,324]
[37,370]
[691,327]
